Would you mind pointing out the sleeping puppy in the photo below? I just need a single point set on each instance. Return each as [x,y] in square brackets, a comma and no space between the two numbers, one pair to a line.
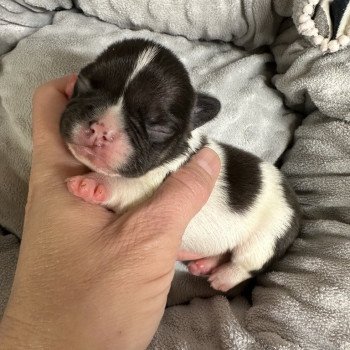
[133,119]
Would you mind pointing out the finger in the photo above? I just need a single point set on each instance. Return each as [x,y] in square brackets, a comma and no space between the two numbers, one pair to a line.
[157,225]
[179,198]
[185,192]
[50,154]
[49,101]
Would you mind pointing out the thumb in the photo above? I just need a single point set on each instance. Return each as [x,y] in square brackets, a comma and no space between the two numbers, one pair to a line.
[160,222]
[184,192]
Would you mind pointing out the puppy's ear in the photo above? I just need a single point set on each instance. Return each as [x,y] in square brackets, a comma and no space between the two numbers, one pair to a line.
[205,109]
[81,86]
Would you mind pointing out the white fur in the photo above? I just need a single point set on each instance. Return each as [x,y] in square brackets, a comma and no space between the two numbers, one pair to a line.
[129,191]
[144,58]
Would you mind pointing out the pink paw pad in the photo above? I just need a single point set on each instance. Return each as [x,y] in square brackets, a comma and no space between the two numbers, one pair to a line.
[203,266]
[87,189]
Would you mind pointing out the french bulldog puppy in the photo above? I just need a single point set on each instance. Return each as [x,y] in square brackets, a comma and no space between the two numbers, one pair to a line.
[133,120]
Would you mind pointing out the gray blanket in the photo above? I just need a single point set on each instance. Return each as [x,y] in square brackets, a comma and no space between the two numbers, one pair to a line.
[303,302]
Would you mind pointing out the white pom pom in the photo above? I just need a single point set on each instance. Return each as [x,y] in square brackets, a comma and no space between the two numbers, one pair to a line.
[312,32]
[313,2]
[344,40]
[317,40]
[324,45]
[304,18]
[308,9]
[333,46]
[348,30]
[306,26]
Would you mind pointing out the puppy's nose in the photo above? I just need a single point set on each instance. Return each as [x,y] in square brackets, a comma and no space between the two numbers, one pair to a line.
[97,129]
[100,133]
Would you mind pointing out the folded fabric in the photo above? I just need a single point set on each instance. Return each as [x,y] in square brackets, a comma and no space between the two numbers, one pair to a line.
[245,22]
[21,18]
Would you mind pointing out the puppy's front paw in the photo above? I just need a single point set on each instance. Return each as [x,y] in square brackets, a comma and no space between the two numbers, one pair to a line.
[220,279]
[203,266]
[88,189]
[227,276]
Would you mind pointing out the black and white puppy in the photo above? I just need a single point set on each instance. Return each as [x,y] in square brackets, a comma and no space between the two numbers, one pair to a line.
[132,120]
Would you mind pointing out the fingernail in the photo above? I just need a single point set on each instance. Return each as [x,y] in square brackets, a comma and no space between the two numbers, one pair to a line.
[208,160]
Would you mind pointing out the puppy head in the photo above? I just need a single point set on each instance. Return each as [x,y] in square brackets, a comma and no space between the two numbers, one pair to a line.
[133,109]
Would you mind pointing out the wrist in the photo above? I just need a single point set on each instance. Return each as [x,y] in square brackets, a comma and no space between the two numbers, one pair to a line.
[16,334]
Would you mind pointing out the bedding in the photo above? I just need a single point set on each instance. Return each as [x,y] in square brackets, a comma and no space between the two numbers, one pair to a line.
[268,75]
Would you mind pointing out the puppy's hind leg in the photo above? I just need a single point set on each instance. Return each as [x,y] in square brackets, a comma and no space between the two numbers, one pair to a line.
[246,259]
[227,276]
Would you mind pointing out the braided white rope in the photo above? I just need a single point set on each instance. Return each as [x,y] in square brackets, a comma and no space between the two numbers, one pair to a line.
[307,28]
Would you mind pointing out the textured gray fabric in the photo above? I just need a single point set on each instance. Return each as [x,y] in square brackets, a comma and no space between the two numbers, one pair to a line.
[9,246]
[321,22]
[304,301]
[21,18]
[323,79]
[248,23]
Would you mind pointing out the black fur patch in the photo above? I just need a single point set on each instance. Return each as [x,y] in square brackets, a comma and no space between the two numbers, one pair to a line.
[243,177]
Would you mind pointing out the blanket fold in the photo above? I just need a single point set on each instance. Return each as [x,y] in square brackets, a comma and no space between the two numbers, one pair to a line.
[248,23]
[22,18]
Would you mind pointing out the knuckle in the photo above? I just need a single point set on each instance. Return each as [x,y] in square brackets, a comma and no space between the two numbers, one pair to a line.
[156,216]
[194,181]
[141,235]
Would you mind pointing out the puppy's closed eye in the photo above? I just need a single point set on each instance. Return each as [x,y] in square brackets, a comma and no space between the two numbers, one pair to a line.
[159,132]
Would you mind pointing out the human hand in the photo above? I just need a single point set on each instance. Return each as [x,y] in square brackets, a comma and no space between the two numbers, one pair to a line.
[87,279]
